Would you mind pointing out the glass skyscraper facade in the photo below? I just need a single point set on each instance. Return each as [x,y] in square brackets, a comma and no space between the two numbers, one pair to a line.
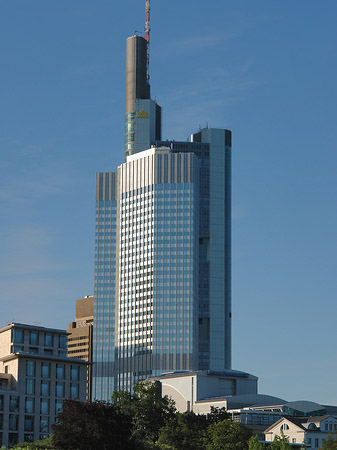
[105,286]
[163,249]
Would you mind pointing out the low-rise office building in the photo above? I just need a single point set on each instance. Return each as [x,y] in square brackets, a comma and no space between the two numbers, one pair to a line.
[35,378]
[199,391]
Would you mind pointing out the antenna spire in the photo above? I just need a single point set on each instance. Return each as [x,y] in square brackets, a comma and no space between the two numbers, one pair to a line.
[147,36]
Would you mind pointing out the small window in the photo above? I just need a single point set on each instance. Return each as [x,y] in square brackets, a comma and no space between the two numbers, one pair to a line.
[29,423]
[60,371]
[14,402]
[58,406]
[294,440]
[13,439]
[34,338]
[30,386]
[63,341]
[30,368]
[44,406]
[59,389]
[74,390]
[45,388]
[29,405]
[29,437]
[44,424]
[13,422]
[48,339]
[17,335]
[316,443]
[74,373]
[45,370]
[309,441]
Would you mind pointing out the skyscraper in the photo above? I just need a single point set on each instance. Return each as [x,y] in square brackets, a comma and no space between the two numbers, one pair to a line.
[162,248]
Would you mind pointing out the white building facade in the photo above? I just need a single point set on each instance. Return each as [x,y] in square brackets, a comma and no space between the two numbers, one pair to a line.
[35,378]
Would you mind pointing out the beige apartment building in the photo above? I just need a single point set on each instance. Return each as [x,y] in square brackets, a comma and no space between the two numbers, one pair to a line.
[35,378]
[81,335]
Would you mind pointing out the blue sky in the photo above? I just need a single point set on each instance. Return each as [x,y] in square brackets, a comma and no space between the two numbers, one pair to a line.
[266,70]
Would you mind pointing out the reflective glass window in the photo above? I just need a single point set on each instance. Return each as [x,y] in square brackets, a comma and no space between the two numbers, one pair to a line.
[74,390]
[74,373]
[44,406]
[44,424]
[29,437]
[45,370]
[30,386]
[13,439]
[63,341]
[14,401]
[59,389]
[60,371]
[29,423]
[58,406]
[17,335]
[34,338]
[13,422]
[29,404]
[48,339]
[1,402]
[45,387]
[30,368]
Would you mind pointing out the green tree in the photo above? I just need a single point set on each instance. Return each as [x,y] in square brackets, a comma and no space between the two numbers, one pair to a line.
[254,444]
[43,444]
[217,415]
[330,443]
[280,443]
[92,426]
[187,431]
[227,435]
[148,411]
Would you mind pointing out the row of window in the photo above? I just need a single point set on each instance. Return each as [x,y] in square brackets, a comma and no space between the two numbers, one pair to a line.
[45,388]
[13,423]
[39,338]
[47,369]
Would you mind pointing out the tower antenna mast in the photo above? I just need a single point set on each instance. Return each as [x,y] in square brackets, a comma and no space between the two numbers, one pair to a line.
[147,36]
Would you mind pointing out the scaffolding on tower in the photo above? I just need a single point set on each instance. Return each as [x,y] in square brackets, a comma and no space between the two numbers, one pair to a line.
[147,37]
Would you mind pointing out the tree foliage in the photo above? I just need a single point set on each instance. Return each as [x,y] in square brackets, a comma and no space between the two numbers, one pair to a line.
[148,411]
[280,443]
[92,426]
[254,444]
[187,431]
[43,444]
[227,435]
[330,443]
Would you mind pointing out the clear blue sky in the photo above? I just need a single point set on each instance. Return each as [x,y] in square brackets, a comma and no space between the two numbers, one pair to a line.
[265,69]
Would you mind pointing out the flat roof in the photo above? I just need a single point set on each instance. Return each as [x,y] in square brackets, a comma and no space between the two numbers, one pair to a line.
[32,327]
[45,357]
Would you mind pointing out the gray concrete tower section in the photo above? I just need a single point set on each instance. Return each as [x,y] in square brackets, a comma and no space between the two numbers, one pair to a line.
[142,115]
[137,85]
